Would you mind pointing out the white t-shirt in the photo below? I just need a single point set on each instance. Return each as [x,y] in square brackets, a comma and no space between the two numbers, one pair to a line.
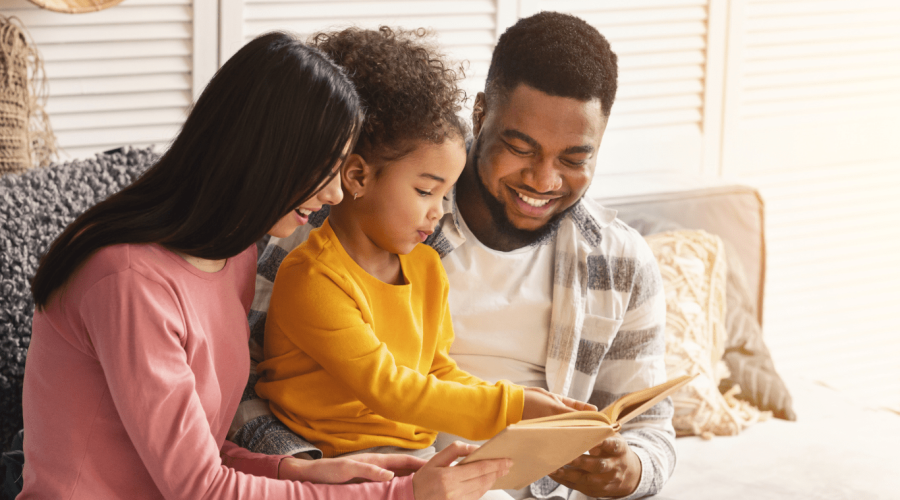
[500,304]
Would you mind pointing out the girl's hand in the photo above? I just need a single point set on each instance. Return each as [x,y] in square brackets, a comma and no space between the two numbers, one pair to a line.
[437,480]
[355,468]
[542,403]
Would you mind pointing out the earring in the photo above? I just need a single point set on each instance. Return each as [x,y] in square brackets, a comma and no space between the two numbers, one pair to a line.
[355,195]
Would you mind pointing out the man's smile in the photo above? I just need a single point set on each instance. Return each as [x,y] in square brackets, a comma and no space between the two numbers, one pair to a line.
[533,205]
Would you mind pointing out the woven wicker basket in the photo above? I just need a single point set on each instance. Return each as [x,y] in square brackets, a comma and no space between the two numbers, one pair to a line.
[26,139]
[75,6]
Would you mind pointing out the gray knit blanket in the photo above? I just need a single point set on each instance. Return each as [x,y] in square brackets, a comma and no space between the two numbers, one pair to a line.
[35,207]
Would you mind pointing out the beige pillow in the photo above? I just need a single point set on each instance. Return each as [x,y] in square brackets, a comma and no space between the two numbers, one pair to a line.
[692,264]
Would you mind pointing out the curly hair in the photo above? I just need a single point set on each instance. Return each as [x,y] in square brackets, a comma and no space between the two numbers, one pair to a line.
[558,54]
[408,91]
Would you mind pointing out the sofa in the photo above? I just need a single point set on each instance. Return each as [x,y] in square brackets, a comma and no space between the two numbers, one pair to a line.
[826,445]
[820,445]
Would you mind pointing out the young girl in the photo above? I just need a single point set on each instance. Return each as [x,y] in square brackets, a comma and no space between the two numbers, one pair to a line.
[358,328]
[139,348]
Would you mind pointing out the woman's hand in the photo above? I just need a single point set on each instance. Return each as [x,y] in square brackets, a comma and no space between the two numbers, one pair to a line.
[437,480]
[355,468]
[542,403]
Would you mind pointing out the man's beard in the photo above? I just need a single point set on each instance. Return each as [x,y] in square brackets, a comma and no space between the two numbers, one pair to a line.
[500,221]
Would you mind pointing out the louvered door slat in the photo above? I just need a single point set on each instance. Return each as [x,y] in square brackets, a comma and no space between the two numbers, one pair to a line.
[653,104]
[119,67]
[124,75]
[113,33]
[637,60]
[849,62]
[824,49]
[87,52]
[445,11]
[97,120]
[786,9]
[123,14]
[156,134]
[119,84]
[692,73]
[133,101]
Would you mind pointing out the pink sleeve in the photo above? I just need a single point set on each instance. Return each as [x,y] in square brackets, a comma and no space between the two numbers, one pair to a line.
[135,328]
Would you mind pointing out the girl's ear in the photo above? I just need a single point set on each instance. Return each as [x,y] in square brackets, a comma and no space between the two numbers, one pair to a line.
[355,175]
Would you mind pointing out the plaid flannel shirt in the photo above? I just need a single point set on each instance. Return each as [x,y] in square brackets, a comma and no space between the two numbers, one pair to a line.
[606,335]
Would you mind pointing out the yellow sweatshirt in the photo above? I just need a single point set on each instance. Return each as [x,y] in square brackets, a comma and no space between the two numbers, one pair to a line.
[352,362]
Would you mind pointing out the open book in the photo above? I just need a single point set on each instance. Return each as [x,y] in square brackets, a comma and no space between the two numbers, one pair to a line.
[542,445]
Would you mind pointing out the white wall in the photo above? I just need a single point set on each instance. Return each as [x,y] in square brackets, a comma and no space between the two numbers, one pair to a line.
[800,98]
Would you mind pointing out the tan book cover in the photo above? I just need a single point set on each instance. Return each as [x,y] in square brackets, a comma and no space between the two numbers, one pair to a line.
[540,446]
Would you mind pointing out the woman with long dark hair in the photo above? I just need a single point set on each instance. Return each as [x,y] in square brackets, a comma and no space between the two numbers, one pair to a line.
[139,350]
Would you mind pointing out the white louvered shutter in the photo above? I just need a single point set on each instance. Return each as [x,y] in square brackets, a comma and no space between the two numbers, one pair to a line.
[122,76]
[657,122]
[812,117]
[465,30]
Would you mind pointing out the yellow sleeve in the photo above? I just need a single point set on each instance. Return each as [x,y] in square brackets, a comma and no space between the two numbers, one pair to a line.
[320,311]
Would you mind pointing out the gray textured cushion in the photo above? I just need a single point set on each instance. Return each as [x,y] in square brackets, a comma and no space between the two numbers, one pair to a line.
[35,207]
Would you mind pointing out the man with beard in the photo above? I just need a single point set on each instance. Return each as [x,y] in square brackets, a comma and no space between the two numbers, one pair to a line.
[547,287]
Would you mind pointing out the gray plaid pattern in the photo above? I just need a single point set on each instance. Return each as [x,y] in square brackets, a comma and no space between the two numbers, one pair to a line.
[643,343]
[606,331]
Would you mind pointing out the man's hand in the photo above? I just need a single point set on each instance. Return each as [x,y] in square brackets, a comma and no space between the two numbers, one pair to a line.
[437,480]
[542,403]
[354,468]
[611,469]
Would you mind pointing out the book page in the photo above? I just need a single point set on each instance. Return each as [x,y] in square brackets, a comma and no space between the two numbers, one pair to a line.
[575,415]
[635,403]
[542,445]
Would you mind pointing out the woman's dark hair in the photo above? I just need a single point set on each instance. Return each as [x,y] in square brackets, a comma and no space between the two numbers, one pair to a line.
[409,92]
[264,136]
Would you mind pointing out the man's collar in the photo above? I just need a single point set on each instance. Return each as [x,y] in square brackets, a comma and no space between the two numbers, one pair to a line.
[599,214]
[448,235]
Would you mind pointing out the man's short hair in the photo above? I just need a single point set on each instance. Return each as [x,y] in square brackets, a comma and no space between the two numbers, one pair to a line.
[558,54]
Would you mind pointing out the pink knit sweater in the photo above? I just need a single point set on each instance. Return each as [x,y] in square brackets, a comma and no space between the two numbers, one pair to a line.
[134,373]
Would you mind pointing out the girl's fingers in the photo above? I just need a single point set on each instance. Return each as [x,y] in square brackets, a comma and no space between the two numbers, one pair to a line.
[572,404]
[575,404]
